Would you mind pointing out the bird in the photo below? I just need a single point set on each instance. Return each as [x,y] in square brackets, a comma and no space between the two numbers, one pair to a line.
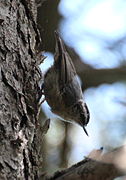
[62,88]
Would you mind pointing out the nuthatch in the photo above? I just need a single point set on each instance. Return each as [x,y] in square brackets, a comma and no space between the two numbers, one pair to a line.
[62,89]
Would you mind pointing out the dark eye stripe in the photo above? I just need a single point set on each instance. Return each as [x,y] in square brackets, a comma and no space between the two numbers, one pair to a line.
[87,108]
[88,114]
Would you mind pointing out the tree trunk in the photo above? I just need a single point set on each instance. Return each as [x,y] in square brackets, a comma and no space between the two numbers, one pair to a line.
[19,90]
[20,133]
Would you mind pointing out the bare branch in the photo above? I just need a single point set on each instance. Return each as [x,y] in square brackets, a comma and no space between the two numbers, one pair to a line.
[96,166]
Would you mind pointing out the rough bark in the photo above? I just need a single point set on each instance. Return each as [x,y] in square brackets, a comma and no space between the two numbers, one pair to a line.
[19,90]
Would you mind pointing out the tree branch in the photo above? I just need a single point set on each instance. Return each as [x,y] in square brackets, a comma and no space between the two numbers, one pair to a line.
[93,77]
[96,166]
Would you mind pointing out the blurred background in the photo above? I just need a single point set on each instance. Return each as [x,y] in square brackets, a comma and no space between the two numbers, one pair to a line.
[95,35]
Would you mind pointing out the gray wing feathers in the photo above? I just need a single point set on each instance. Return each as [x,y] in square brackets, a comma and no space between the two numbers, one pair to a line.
[67,70]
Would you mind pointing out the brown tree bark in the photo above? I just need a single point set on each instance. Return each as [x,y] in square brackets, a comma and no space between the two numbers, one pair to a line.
[19,90]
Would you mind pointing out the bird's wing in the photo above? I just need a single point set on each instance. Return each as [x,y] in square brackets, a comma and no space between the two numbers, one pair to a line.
[63,63]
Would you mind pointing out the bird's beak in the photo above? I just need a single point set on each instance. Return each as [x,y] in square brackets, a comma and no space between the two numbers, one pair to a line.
[85,130]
